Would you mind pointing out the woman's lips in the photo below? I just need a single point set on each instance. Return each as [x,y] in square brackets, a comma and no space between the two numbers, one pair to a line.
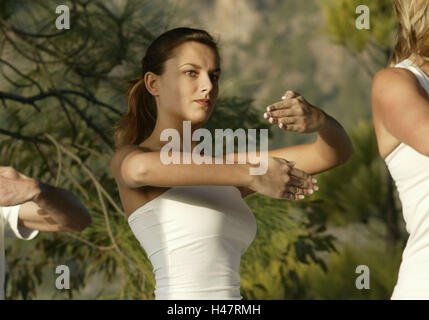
[204,103]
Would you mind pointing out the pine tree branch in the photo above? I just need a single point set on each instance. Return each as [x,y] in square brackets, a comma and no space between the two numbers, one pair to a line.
[24,138]
[56,93]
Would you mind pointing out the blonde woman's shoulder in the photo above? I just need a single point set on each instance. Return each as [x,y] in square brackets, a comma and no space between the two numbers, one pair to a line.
[392,85]
[400,108]
[392,75]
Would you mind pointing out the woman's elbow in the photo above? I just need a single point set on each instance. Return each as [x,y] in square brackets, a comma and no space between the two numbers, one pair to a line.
[342,156]
[133,173]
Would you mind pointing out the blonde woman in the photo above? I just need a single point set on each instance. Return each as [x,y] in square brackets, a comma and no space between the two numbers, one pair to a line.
[191,218]
[400,105]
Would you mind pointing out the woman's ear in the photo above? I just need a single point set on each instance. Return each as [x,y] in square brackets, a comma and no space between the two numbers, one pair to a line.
[151,82]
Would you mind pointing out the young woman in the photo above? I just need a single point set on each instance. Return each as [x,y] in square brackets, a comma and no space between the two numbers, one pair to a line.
[400,105]
[191,218]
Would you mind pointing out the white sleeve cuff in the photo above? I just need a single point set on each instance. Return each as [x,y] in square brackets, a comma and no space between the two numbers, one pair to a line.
[12,229]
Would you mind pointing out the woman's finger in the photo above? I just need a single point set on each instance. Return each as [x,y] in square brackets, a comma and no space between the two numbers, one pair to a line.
[297,173]
[308,184]
[288,120]
[288,196]
[301,183]
[282,113]
[290,94]
[290,127]
[295,190]
[281,105]
[272,120]
[290,163]
[284,104]
[291,196]
[286,162]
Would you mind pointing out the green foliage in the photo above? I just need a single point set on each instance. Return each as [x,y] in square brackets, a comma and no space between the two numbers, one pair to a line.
[376,43]
[340,17]
[339,282]
[353,191]
[362,190]
[290,234]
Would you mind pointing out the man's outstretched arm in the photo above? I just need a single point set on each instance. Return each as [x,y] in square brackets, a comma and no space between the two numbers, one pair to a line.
[44,207]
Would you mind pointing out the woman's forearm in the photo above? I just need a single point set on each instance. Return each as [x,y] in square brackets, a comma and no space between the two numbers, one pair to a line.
[156,173]
[333,143]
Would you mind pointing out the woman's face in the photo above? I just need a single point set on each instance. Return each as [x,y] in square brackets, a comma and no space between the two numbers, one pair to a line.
[188,88]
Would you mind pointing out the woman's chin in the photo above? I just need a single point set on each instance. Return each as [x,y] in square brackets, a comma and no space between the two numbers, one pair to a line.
[198,122]
[198,118]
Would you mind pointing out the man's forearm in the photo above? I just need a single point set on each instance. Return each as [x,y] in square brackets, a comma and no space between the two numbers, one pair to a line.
[61,206]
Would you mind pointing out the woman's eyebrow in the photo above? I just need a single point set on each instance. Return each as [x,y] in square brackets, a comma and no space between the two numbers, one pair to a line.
[196,66]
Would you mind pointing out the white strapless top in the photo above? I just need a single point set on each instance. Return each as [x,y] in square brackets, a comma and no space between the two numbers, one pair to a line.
[410,172]
[194,237]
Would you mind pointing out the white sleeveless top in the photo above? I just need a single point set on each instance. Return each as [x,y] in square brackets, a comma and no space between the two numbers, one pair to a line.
[410,171]
[194,237]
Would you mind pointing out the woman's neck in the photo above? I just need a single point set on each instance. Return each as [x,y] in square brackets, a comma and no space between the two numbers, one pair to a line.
[164,121]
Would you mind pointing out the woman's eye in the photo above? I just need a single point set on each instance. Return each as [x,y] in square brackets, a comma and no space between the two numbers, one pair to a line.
[191,73]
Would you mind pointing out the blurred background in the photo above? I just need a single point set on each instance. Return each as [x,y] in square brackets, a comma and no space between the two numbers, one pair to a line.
[62,91]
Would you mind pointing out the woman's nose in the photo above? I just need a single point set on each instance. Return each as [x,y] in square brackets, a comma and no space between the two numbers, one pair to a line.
[206,84]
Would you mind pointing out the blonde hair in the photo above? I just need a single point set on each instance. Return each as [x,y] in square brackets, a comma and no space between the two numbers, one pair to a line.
[412,37]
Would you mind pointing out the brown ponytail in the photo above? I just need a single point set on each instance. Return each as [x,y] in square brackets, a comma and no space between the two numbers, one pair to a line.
[140,118]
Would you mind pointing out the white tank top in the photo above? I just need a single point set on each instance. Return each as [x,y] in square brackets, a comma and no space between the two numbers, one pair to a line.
[410,171]
[194,237]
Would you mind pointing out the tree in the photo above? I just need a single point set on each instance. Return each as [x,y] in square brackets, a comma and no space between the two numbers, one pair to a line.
[372,47]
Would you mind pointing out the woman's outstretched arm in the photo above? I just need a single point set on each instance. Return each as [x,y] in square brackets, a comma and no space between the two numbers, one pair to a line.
[332,146]
[134,167]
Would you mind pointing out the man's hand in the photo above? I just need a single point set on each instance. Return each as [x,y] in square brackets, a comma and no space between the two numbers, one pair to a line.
[16,188]
[44,207]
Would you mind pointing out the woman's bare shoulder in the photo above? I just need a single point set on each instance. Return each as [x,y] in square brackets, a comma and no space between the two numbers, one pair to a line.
[392,86]
[393,78]
[400,108]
